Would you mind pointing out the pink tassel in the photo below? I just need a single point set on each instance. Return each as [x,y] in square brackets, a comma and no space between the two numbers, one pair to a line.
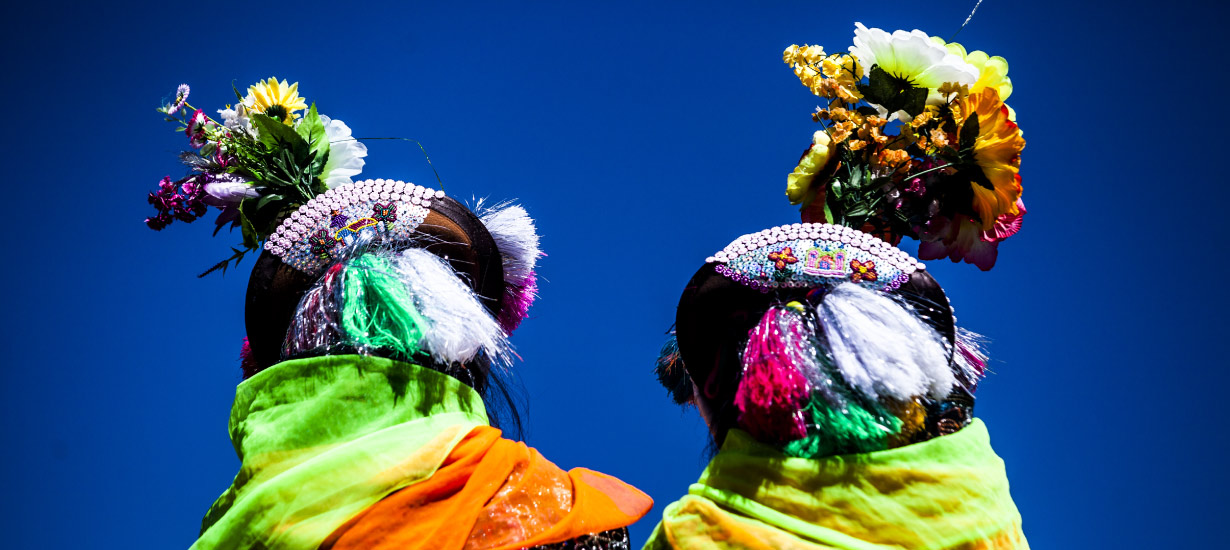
[773,391]
[516,303]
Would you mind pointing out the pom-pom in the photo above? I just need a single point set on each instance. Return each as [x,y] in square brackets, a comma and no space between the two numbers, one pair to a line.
[881,348]
[514,233]
[773,391]
[458,326]
[516,303]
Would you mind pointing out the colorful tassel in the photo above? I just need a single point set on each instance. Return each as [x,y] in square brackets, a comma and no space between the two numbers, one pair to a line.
[516,303]
[377,309]
[881,348]
[514,233]
[772,392]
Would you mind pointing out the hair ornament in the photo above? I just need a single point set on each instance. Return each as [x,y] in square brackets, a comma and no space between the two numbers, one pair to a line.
[517,238]
[916,140]
[409,301]
[881,348]
[806,255]
[259,160]
[773,389]
[313,235]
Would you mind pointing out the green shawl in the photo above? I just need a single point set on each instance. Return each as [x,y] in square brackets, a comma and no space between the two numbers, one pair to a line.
[950,492]
[323,438]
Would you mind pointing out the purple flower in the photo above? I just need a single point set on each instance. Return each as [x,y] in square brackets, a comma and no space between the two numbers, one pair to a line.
[181,200]
[181,98]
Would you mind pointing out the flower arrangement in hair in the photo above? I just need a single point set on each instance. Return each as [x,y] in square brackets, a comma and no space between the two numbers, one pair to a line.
[916,141]
[269,153]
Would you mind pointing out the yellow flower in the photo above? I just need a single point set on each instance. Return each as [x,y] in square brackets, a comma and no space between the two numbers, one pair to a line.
[992,70]
[275,99]
[799,182]
[997,150]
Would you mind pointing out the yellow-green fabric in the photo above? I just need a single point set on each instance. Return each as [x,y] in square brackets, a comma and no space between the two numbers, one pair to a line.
[323,438]
[950,492]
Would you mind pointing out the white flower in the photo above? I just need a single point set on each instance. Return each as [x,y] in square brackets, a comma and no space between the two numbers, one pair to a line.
[345,154]
[236,118]
[913,56]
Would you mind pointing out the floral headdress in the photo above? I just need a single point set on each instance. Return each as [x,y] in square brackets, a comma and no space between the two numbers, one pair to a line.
[823,337]
[916,141]
[282,173]
[262,159]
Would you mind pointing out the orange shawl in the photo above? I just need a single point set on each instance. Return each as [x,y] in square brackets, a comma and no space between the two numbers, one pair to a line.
[493,494]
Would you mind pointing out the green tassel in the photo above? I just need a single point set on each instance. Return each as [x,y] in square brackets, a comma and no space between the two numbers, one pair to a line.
[862,426]
[856,429]
[377,309]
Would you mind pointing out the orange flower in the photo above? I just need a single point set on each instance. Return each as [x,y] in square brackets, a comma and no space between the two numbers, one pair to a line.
[997,151]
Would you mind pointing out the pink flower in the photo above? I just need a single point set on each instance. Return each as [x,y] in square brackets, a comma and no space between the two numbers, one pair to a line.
[195,131]
[962,238]
[1006,225]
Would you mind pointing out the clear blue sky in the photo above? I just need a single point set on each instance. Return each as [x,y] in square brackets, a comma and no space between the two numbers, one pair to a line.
[643,137]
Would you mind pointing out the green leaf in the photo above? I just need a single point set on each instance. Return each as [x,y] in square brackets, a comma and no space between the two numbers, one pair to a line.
[893,93]
[250,237]
[915,101]
[266,199]
[312,130]
[238,95]
[836,188]
[274,134]
[858,177]
[969,134]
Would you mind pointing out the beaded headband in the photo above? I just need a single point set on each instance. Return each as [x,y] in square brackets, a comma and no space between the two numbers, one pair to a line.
[310,237]
[804,255]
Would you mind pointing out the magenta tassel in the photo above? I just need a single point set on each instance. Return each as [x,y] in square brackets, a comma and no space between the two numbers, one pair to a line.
[773,391]
[516,303]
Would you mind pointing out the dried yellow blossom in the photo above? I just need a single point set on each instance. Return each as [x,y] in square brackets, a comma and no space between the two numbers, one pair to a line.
[949,88]
[857,144]
[893,157]
[922,118]
[939,138]
[841,131]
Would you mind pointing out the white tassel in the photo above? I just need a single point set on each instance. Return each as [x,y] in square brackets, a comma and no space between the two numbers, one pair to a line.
[460,326]
[517,238]
[881,347]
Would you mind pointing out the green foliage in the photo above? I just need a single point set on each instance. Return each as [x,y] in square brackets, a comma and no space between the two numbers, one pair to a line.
[893,93]
[237,256]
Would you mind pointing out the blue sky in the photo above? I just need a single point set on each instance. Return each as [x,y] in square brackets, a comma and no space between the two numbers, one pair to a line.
[643,136]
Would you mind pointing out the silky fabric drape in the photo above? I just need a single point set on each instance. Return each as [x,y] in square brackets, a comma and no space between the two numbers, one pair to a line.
[950,492]
[493,494]
[323,438]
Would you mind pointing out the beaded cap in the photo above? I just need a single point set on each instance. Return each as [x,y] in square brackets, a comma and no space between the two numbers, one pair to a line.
[806,255]
[309,237]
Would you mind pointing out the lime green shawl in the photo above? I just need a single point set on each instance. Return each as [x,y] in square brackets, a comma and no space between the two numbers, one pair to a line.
[321,439]
[950,492]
